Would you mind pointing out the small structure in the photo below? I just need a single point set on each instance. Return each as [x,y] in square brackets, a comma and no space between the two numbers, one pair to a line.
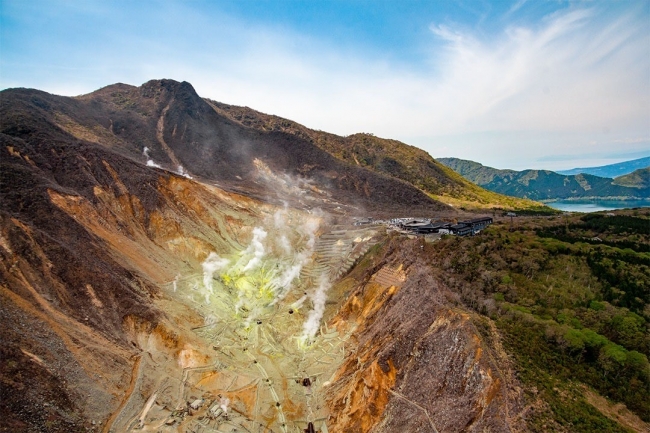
[478,223]
[363,221]
[470,227]
[461,229]
[440,225]
[423,226]
[420,228]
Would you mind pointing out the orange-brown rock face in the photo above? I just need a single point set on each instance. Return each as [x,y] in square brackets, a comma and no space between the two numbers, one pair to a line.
[418,364]
[90,248]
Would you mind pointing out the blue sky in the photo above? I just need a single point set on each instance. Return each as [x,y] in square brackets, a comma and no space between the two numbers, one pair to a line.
[511,84]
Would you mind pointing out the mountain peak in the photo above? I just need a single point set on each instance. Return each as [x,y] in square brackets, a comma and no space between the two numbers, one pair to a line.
[150,89]
[181,89]
[168,84]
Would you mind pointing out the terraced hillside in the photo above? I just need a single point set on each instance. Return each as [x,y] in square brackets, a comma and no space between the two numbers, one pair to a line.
[339,249]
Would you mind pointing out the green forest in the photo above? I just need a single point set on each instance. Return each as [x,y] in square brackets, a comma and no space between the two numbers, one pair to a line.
[570,295]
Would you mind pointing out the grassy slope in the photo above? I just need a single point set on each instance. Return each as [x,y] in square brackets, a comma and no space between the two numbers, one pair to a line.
[637,179]
[573,310]
[389,157]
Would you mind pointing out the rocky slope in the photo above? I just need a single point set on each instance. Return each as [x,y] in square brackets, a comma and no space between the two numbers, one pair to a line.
[165,123]
[114,316]
[403,374]
[103,329]
[542,184]
[90,242]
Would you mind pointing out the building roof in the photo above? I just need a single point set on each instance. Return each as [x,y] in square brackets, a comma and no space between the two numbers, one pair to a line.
[416,221]
[417,224]
[478,220]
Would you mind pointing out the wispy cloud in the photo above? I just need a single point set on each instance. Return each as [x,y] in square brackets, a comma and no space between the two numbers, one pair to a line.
[567,74]
[516,6]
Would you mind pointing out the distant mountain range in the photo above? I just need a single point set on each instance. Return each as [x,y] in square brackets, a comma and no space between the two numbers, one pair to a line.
[611,170]
[549,185]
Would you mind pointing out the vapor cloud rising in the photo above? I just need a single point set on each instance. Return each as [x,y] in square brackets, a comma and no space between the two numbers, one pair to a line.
[318,299]
[266,271]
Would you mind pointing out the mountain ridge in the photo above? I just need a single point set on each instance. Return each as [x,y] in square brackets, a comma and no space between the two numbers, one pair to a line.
[611,170]
[542,184]
[639,178]
[176,129]
[386,156]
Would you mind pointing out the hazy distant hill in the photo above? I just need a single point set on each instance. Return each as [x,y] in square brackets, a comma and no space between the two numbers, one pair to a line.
[545,184]
[637,179]
[611,170]
[385,156]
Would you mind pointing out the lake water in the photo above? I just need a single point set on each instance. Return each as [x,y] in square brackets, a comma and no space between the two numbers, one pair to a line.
[596,205]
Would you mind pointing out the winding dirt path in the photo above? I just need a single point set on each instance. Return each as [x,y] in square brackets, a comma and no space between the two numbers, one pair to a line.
[135,373]
[160,135]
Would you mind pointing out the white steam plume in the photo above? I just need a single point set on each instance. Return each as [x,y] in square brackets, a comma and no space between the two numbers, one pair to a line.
[282,241]
[268,269]
[284,244]
[256,247]
[183,172]
[150,162]
[308,229]
[282,284]
[212,265]
[318,299]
